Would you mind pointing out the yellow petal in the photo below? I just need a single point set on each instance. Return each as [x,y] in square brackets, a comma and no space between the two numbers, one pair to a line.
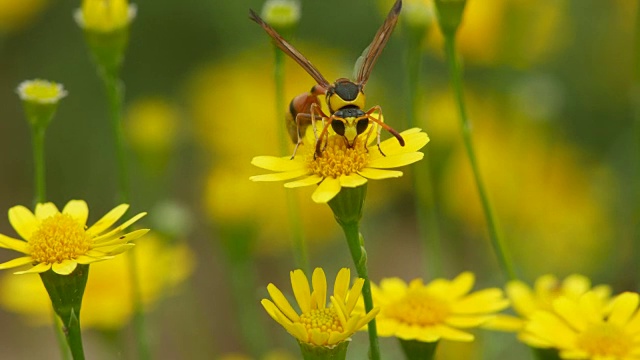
[341,285]
[123,238]
[14,244]
[45,210]
[393,288]
[78,209]
[414,141]
[624,306]
[109,219]
[388,162]
[282,303]
[549,327]
[309,180]
[66,267]
[16,262]
[319,337]
[326,191]
[469,321]
[521,297]
[352,180]
[273,310]
[23,221]
[378,174]
[84,259]
[386,326]
[279,164]
[462,284]
[109,250]
[354,295]
[319,281]
[39,268]
[449,333]
[280,176]
[338,306]
[336,337]
[126,224]
[301,290]
[483,301]
[413,332]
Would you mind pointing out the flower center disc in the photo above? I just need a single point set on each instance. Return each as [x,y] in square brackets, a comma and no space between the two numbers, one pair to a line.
[59,237]
[323,320]
[337,159]
[419,309]
[606,340]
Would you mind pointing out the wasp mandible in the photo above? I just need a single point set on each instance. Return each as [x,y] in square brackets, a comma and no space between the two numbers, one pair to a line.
[344,97]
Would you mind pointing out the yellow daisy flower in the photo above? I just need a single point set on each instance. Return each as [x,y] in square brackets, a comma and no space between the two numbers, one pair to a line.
[341,166]
[547,288]
[589,328]
[319,324]
[429,313]
[41,91]
[60,240]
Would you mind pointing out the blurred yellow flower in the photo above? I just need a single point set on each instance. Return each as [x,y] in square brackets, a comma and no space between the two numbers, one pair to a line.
[41,91]
[15,15]
[152,125]
[588,328]
[547,288]
[549,197]
[319,324]
[105,15]
[107,300]
[342,166]
[60,240]
[438,310]
[281,13]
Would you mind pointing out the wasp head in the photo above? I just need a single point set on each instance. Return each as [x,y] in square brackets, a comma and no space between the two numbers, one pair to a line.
[350,122]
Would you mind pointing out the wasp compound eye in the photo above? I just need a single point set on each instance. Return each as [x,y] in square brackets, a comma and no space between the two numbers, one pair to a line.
[362,125]
[338,127]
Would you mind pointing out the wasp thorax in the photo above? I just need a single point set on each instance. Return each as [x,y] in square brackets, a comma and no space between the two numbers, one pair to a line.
[345,93]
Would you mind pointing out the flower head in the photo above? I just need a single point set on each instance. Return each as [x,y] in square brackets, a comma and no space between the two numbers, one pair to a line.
[318,324]
[281,13]
[342,166]
[41,91]
[435,311]
[108,301]
[589,328]
[60,240]
[105,15]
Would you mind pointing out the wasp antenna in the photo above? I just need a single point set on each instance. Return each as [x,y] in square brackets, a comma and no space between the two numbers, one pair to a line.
[397,7]
[253,16]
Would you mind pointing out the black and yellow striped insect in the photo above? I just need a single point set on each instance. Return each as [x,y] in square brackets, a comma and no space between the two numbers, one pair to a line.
[344,97]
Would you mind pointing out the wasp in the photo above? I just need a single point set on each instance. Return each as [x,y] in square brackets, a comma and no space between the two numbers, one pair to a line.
[345,98]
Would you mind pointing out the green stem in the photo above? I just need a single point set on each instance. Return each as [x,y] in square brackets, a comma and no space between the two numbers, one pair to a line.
[359,256]
[456,84]
[66,292]
[426,211]
[60,337]
[635,103]
[293,209]
[37,136]
[115,95]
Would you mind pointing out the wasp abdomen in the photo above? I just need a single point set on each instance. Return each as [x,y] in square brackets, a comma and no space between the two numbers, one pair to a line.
[301,104]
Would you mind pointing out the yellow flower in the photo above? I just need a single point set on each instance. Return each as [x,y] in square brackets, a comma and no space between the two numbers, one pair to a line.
[105,15]
[60,240]
[429,313]
[588,328]
[152,125]
[547,288]
[16,15]
[107,302]
[319,324]
[41,91]
[340,166]
[281,13]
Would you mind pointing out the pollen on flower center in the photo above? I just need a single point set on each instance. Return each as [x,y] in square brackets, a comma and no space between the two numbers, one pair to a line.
[337,159]
[323,320]
[419,309]
[606,340]
[59,237]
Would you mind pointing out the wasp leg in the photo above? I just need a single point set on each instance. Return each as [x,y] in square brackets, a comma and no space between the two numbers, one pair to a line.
[383,126]
[366,139]
[300,118]
[325,125]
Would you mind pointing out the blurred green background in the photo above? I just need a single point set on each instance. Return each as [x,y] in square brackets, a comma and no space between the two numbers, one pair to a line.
[553,99]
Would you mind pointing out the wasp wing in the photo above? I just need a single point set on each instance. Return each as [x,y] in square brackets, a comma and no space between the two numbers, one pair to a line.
[378,43]
[291,51]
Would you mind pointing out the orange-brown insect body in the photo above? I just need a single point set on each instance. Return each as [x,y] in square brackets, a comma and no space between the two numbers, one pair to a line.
[301,104]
